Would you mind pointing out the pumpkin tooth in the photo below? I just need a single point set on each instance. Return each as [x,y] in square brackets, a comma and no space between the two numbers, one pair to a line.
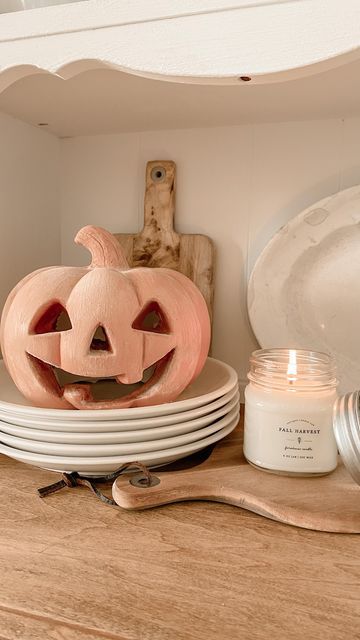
[130,378]
[78,393]
[156,347]
[45,347]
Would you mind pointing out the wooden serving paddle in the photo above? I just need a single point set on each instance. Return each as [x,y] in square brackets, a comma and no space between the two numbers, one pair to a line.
[159,245]
[329,503]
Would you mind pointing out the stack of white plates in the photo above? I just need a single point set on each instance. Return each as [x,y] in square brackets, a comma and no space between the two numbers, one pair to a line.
[98,442]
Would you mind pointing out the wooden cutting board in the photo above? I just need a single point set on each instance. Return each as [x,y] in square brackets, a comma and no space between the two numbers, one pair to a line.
[329,503]
[159,245]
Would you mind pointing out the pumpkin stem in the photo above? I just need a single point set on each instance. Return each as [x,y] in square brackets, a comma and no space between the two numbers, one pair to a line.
[104,248]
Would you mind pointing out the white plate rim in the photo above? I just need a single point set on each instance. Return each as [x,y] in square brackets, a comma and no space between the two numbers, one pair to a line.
[129,448]
[86,463]
[118,437]
[98,426]
[154,410]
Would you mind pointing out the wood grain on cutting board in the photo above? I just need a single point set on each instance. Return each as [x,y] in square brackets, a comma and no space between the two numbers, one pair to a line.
[159,245]
[329,503]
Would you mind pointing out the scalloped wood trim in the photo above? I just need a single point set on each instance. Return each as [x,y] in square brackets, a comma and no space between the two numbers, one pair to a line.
[230,39]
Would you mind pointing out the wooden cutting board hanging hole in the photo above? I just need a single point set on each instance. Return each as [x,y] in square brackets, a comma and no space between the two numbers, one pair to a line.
[159,245]
[328,503]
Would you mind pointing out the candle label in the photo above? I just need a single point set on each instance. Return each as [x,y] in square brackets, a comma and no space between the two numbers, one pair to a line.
[299,443]
[295,444]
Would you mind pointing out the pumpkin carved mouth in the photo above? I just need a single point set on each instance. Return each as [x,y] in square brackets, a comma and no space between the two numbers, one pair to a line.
[105,392]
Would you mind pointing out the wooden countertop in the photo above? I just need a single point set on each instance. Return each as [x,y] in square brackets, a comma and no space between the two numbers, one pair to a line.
[73,568]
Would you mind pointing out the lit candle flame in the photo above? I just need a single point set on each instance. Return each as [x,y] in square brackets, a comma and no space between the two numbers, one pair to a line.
[292,366]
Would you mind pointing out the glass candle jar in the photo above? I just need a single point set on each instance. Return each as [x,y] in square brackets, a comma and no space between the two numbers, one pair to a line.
[289,412]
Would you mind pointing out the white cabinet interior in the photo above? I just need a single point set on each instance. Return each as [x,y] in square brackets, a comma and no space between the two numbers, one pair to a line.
[249,156]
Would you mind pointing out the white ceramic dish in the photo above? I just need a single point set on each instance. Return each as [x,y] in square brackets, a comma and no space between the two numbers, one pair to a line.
[102,465]
[305,287]
[96,450]
[117,426]
[119,437]
[215,380]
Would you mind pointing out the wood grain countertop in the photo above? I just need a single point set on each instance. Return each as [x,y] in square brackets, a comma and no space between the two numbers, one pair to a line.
[73,568]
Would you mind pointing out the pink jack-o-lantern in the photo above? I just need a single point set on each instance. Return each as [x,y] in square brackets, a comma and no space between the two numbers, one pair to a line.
[104,321]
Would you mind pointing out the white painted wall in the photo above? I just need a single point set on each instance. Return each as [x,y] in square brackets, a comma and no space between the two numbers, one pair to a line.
[29,201]
[237,184]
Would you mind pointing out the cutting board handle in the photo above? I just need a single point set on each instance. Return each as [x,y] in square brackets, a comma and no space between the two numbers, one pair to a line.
[159,206]
[159,245]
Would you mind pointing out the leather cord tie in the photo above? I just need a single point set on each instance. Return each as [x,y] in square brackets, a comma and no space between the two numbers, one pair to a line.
[73,479]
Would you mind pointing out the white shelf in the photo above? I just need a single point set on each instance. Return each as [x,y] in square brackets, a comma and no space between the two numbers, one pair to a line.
[212,41]
[109,101]
[99,66]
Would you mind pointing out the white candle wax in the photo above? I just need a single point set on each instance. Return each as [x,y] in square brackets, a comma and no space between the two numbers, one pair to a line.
[287,431]
[289,414]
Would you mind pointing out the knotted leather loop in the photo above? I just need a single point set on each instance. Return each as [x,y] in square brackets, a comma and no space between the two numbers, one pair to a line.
[74,479]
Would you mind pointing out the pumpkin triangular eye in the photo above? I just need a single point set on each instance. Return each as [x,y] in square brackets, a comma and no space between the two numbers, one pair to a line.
[151,318]
[53,318]
[100,341]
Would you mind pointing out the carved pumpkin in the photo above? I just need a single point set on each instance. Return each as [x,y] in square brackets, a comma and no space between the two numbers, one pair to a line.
[118,323]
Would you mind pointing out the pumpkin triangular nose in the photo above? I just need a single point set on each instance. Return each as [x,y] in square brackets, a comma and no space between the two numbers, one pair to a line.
[100,340]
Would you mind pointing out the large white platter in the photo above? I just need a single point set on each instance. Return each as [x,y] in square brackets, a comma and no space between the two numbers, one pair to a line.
[130,448]
[215,380]
[304,291]
[106,464]
[101,426]
[120,437]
